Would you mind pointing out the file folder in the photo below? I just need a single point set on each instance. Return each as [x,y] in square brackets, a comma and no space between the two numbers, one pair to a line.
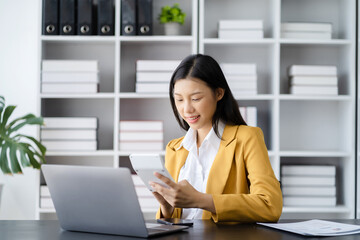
[144,17]
[50,16]
[105,17]
[67,17]
[84,17]
[128,17]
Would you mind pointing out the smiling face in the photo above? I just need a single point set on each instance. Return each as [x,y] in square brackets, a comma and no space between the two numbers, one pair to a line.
[196,103]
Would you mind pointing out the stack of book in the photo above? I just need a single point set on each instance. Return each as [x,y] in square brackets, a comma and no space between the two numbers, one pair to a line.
[313,80]
[141,136]
[241,77]
[69,76]
[45,197]
[249,115]
[69,133]
[308,185]
[153,76]
[240,29]
[303,30]
[146,198]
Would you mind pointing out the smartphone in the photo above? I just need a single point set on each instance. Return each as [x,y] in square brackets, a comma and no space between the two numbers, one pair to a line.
[175,221]
[146,164]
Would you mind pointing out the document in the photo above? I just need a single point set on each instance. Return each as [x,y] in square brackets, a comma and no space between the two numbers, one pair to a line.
[316,227]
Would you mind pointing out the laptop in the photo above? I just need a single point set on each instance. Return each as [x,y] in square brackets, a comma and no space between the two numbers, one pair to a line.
[99,200]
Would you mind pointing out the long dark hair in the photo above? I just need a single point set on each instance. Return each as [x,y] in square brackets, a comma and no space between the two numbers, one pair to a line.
[208,70]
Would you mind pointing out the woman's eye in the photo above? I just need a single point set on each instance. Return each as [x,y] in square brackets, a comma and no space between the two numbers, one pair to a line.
[178,100]
[196,99]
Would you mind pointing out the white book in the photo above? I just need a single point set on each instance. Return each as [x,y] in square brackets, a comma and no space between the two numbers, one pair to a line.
[70,122]
[308,170]
[306,27]
[149,202]
[44,191]
[141,146]
[309,201]
[157,65]
[152,87]
[141,126]
[69,87]
[153,76]
[307,181]
[238,69]
[242,85]
[312,70]
[70,145]
[241,93]
[241,78]
[70,66]
[143,192]
[141,136]
[69,77]
[314,80]
[308,191]
[46,202]
[251,116]
[241,34]
[314,90]
[68,134]
[240,24]
[306,35]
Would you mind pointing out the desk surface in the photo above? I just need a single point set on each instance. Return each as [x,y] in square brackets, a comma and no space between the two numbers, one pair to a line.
[50,230]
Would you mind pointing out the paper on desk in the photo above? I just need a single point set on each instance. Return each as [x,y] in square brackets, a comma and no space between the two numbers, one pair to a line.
[316,228]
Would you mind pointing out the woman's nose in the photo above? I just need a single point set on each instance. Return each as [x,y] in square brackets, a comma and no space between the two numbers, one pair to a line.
[188,108]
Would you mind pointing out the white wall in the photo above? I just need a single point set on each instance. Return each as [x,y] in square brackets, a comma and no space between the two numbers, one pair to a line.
[19,24]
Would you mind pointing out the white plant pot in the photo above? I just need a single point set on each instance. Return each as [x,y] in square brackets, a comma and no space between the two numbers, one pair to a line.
[172,28]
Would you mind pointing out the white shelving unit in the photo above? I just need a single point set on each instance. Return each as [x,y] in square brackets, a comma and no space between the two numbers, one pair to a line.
[116,99]
[297,129]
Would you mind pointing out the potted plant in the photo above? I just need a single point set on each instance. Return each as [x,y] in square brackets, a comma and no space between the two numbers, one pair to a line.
[172,18]
[15,153]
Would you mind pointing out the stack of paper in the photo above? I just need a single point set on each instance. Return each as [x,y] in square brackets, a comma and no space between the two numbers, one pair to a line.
[249,115]
[303,30]
[241,77]
[141,136]
[313,80]
[308,185]
[69,76]
[146,198]
[69,133]
[45,197]
[240,29]
[153,76]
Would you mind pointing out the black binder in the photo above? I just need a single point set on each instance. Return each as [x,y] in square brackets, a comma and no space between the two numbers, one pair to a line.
[50,14]
[67,17]
[84,24]
[105,17]
[144,17]
[128,17]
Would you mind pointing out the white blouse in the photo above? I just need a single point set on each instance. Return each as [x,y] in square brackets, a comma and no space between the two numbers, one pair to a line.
[197,167]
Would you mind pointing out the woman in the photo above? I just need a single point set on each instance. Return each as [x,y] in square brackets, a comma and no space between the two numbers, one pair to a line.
[221,166]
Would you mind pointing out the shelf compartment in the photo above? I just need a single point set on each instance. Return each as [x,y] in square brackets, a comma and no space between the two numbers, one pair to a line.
[262,55]
[309,54]
[103,52]
[323,126]
[85,108]
[89,96]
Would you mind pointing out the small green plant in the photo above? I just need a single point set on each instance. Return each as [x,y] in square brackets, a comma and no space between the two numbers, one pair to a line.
[172,14]
[14,153]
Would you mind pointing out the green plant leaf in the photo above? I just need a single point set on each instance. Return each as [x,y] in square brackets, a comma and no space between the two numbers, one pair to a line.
[21,118]
[8,111]
[4,163]
[29,121]
[41,147]
[32,159]
[2,104]
[14,162]
[24,160]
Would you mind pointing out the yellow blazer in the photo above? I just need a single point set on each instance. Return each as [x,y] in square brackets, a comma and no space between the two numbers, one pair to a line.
[241,180]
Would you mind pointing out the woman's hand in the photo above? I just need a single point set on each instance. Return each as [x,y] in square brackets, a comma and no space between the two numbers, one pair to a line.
[181,195]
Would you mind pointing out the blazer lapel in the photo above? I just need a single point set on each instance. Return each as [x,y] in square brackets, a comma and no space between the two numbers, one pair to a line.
[221,166]
[178,160]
